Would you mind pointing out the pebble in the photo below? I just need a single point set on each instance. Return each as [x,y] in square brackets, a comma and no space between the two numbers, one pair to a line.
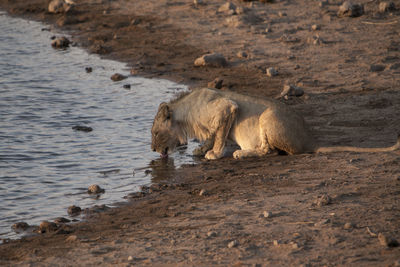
[95,189]
[267,214]
[118,77]
[282,14]
[60,220]
[271,72]
[61,42]
[387,241]
[323,3]
[130,258]
[323,200]
[233,244]
[203,192]
[242,54]
[276,243]
[316,40]
[88,69]
[20,226]
[348,226]
[348,9]
[82,128]
[386,6]
[212,234]
[211,60]
[127,86]
[322,222]
[46,227]
[71,238]
[216,83]
[74,210]
[315,27]
[376,68]
[291,90]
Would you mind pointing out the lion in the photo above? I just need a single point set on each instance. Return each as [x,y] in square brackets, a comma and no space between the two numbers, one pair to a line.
[257,126]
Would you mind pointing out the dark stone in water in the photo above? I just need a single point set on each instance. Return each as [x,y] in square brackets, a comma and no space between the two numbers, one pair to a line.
[74,210]
[46,227]
[118,77]
[61,220]
[89,69]
[82,128]
[61,42]
[127,86]
[20,226]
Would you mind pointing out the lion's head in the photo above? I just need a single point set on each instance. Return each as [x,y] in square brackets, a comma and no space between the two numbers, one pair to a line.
[165,135]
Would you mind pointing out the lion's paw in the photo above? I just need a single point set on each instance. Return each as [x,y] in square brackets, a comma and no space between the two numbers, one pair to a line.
[238,154]
[211,155]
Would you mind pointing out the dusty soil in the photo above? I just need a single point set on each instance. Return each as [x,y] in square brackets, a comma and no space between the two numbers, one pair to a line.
[309,210]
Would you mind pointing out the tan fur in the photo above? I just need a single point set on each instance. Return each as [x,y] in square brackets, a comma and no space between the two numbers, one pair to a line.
[258,126]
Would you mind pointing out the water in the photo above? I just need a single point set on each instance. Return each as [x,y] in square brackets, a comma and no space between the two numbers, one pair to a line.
[45,166]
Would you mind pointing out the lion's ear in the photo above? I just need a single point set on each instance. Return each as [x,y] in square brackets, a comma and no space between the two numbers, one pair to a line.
[164,111]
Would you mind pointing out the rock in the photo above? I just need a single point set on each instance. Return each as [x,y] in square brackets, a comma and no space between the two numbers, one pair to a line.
[322,222]
[377,68]
[271,72]
[315,40]
[118,77]
[291,90]
[386,6]
[60,6]
[217,83]
[211,60]
[74,210]
[323,3]
[282,14]
[61,220]
[47,227]
[203,192]
[20,226]
[315,27]
[233,244]
[323,200]
[127,86]
[95,189]
[276,243]
[348,9]
[228,7]
[267,214]
[387,241]
[82,128]
[71,239]
[242,54]
[61,42]
[211,234]
[88,69]
[348,226]
[130,258]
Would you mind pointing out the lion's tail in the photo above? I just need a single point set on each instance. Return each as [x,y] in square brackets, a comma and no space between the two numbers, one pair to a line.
[359,149]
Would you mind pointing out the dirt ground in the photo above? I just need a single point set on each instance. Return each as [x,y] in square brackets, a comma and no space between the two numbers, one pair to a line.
[337,209]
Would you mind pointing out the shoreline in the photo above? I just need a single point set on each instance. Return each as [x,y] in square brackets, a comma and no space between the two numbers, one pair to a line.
[254,211]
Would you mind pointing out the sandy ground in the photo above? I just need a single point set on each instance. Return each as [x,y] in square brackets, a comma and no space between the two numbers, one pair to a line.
[304,210]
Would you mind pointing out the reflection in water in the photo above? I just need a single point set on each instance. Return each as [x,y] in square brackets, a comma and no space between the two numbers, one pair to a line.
[162,169]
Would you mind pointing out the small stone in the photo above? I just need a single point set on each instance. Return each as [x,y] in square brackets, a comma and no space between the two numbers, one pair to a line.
[242,54]
[211,60]
[348,9]
[267,30]
[315,27]
[74,210]
[387,241]
[276,243]
[282,14]
[348,226]
[211,234]
[61,42]
[228,7]
[377,68]
[323,3]
[203,192]
[316,40]
[386,6]
[294,245]
[291,90]
[233,244]
[88,69]
[20,226]
[267,214]
[127,86]
[82,128]
[71,239]
[216,83]
[46,227]
[271,72]
[118,77]
[322,222]
[95,189]
[130,258]
[323,200]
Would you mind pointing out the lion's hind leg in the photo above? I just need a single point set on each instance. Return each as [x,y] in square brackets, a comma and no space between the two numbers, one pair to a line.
[262,150]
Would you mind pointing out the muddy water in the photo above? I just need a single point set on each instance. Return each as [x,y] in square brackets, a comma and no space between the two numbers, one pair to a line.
[46,166]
